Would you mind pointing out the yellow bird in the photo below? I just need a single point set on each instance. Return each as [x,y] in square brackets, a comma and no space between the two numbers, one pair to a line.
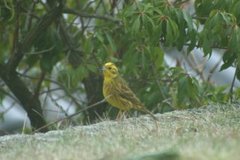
[117,92]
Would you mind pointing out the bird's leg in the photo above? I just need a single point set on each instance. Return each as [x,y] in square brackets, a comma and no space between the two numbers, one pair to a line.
[120,115]
[124,114]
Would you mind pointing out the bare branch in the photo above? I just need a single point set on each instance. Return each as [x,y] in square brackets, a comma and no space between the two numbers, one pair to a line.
[59,84]
[58,105]
[232,85]
[86,15]
[39,84]
[68,117]
[31,36]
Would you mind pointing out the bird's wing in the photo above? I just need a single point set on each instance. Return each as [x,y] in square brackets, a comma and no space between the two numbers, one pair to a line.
[127,94]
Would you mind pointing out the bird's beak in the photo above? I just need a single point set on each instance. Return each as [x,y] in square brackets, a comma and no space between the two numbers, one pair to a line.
[103,68]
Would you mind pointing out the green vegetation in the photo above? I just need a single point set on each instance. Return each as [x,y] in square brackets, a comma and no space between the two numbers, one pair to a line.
[212,132]
[65,42]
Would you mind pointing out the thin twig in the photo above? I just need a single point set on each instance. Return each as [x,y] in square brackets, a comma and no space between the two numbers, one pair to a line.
[39,84]
[50,90]
[213,69]
[58,105]
[40,52]
[7,109]
[16,32]
[231,88]
[28,23]
[86,15]
[7,93]
[191,61]
[31,36]
[61,85]
[68,117]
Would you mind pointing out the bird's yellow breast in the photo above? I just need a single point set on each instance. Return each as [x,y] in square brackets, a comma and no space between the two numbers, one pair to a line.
[113,98]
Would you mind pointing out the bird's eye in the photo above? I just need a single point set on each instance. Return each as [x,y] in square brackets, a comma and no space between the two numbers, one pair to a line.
[110,68]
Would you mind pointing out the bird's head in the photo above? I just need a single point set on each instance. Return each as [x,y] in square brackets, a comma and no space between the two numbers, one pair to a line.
[110,71]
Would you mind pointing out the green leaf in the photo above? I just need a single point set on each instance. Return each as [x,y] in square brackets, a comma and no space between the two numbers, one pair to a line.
[207,46]
[32,59]
[188,20]
[172,32]
[228,59]
[136,25]
[91,67]
[99,37]
[234,40]
[157,57]
[47,62]
[111,42]
[169,33]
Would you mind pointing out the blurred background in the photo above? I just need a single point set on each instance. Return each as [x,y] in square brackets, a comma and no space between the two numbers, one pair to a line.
[175,54]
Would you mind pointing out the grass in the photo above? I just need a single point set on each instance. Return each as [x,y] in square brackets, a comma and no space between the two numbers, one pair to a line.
[212,132]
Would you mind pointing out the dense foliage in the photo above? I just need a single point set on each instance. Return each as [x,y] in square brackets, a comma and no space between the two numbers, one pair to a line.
[65,42]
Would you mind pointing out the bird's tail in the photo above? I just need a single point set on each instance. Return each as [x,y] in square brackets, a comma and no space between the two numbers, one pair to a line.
[143,109]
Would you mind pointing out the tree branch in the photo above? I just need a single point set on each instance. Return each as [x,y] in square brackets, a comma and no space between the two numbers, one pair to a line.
[86,15]
[31,36]
[70,116]
[21,92]
[60,85]
[13,81]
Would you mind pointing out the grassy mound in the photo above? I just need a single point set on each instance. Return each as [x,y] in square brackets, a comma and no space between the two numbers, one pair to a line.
[212,132]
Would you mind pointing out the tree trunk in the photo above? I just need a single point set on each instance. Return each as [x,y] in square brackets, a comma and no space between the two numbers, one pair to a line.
[30,104]
[93,86]
[9,75]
